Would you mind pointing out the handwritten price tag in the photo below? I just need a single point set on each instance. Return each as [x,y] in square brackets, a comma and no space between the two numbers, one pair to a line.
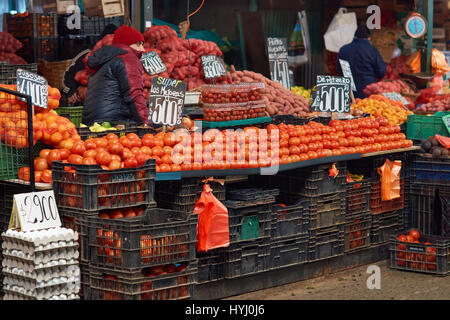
[278,61]
[152,63]
[213,67]
[332,94]
[166,101]
[34,211]
[33,85]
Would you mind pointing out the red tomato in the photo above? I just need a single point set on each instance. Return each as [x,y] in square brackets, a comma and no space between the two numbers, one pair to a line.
[89,161]
[103,158]
[40,164]
[125,142]
[46,176]
[53,155]
[130,163]
[75,159]
[415,234]
[115,147]
[114,164]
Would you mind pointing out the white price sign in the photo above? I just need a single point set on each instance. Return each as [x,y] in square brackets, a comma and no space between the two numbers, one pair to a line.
[34,211]
[33,85]
[347,72]
[166,101]
[152,63]
[213,67]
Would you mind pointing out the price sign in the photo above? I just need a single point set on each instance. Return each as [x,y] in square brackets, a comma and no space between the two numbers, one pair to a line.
[332,94]
[152,63]
[347,72]
[213,67]
[395,96]
[166,101]
[33,85]
[278,61]
[34,211]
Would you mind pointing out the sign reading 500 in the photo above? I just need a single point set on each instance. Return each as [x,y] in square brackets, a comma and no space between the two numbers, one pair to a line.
[166,101]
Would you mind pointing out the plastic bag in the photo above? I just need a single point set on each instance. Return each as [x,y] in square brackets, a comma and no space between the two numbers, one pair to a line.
[298,48]
[212,228]
[439,63]
[341,30]
[390,180]
[413,62]
[444,141]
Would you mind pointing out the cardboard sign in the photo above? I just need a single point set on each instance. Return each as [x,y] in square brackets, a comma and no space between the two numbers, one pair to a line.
[34,211]
[332,94]
[278,61]
[152,63]
[395,96]
[166,101]
[213,67]
[33,85]
[347,72]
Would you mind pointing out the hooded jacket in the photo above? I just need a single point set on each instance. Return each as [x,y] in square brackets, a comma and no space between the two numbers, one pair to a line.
[115,90]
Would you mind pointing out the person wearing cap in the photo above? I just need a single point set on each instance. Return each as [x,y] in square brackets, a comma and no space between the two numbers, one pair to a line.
[115,90]
[70,86]
[365,61]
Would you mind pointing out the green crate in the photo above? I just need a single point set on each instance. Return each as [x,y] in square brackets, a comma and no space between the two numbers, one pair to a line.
[72,113]
[421,127]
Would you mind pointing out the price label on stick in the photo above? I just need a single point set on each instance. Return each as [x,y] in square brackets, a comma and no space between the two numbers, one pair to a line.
[347,72]
[213,67]
[332,94]
[34,211]
[33,85]
[152,63]
[166,101]
[278,61]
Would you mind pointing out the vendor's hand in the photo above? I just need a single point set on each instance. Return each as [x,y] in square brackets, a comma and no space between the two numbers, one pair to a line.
[73,98]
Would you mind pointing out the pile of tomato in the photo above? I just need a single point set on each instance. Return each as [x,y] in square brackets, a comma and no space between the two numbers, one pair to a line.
[413,258]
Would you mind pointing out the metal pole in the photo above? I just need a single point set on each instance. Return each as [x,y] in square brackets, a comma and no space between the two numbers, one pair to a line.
[30,141]
[430,34]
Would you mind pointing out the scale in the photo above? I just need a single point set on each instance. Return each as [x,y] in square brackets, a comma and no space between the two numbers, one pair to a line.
[416,26]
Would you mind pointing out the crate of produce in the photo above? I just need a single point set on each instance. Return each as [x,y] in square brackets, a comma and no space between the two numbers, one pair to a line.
[85,285]
[247,258]
[430,171]
[89,188]
[384,225]
[54,72]
[378,161]
[110,8]
[8,72]
[249,220]
[431,255]
[290,250]
[211,265]
[420,127]
[77,222]
[32,25]
[35,49]
[445,216]
[158,236]
[377,205]
[290,220]
[357,231]
[422,209]
[358,196]
[74,114]
[249,194]
[7,191]
[326,243]
[122,128]
[163,282]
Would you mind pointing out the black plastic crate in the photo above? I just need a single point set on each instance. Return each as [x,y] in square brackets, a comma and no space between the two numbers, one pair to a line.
[32,25]
[88,25]
[247,258]
[358,196]
[77,222]
[327,211]
[291,250]
[377,205]
[249,194]
[39,48]
[248,222]
[430,171]
[422,209]
[85,288]
[107,284]
[123,128]
[289,119]
[357,231]
[290,220]
[445,217]
[89,188]
[189,208]
[158,236]
[384,225]
[326,243]
[7,191]
[8,72]
[378,161]
[433,258]
[71,45]
[211,265]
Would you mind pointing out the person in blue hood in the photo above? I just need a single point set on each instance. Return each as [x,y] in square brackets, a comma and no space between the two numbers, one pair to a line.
[365,61]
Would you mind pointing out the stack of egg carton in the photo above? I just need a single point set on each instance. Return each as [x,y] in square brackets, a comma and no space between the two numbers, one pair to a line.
[40,265]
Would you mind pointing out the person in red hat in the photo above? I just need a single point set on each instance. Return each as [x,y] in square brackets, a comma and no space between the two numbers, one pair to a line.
[115,90]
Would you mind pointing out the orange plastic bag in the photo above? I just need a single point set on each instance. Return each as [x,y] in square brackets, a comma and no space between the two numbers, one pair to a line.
[212,229]
[439,63]
[390,180]
[413,62]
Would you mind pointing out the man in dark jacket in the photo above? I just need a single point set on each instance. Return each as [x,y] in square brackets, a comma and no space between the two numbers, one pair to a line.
[115,91]
[70,86]
[365,61]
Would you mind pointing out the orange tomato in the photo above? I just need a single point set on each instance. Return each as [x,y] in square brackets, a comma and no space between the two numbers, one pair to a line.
[46,176]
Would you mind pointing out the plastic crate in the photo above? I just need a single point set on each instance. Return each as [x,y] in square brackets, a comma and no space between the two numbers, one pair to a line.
[357,231]
[33,25]
[377,205]
[159,236]
[290,220]
[211,265]
[77,222]
[8,72]
[420,127]
[327,211]
[445,217]
[422,208]
[88,25]
[326,242]
[289,119]
[85,285]
[291,250]
[39,48]
[7,192]
[248,221]
[384,225]
[71,45]
[89,188]
[247,258]
[107,284]
[72,113]
[358,196]
[249,194]
[420,257]
[378,161]
[430,171]
[123,130]
[189,208]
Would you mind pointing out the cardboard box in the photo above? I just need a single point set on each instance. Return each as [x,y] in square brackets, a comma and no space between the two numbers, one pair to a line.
[55,6]
[104,8]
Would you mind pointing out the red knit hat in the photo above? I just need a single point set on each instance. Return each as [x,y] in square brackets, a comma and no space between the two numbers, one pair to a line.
[127,35]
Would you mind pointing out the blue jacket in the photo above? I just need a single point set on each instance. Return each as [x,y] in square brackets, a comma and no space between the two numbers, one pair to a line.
[365,62]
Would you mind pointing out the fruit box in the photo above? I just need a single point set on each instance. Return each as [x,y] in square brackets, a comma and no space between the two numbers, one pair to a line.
[420,127]
[433,258]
